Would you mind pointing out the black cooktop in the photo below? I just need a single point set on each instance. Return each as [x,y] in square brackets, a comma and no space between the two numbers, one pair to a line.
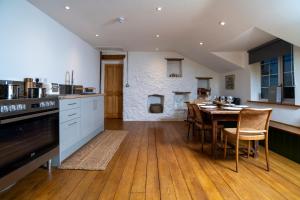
[19,106]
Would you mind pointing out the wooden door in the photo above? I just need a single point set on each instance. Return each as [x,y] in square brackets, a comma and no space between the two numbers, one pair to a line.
[113,91]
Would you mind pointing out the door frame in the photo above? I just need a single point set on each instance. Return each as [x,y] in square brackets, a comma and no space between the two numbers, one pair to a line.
[112,59]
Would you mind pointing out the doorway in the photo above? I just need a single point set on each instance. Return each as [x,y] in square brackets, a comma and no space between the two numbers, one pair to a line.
[113,89]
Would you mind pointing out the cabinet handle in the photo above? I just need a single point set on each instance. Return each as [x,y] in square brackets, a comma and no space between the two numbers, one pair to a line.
[71,104]
[72,124]
[72,114]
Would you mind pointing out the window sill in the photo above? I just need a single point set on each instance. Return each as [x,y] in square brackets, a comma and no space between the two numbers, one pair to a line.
[272,103]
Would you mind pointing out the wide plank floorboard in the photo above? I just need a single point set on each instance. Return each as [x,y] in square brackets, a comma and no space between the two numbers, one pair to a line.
[157,161]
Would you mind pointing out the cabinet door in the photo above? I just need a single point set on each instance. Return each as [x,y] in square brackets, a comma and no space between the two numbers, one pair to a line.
[87,116]
[100,112]
[67,104]
[69,134]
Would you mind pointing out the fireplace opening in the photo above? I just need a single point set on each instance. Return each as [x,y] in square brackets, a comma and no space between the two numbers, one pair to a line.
[155,103]
[179,100]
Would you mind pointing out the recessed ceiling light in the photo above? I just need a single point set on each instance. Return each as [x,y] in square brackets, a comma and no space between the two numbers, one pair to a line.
[159,8]
[156,49]
[157,35]
[201,43]
[67,7]
[222,23]
[97,35]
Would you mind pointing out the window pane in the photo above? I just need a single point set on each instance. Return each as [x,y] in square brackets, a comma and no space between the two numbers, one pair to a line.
[287,63]
[265,81]
[288,79]
[289,92]
[274,80]
[274,68]
[265,70]
[264,93]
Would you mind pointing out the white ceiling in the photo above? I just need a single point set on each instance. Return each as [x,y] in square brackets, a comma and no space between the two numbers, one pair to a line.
[182,24]
[246,40]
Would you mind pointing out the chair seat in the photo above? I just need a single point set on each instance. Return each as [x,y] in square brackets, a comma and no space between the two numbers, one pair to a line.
[245,134]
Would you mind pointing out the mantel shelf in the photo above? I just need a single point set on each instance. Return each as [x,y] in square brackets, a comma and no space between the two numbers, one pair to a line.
[204,78]
[179,92]
[174,59]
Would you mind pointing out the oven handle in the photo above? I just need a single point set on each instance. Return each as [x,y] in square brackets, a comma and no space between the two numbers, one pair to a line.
[6,121]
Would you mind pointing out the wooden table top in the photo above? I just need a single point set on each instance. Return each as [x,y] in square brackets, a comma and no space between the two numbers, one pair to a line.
[220,111]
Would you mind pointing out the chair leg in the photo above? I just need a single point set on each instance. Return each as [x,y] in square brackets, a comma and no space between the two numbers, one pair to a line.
[249,148]
[225,147]
[267,154]
[194,129]
[188,135]
[202,137]
[221,136]
[237,156]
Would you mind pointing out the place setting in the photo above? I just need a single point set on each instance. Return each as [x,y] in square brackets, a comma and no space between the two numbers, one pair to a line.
[222,103]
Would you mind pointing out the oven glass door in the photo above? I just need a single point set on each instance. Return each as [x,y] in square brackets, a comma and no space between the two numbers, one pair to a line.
[21,141]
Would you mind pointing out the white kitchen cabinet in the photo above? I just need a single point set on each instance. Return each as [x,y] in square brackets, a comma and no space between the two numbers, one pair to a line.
[67,115]
[67,104]
[81,119]
[70,133]
[92,112]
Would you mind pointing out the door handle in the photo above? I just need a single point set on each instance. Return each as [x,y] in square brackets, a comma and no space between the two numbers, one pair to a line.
[6,121]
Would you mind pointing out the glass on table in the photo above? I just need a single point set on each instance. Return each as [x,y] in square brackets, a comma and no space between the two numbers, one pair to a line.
[222,99]
[229,99]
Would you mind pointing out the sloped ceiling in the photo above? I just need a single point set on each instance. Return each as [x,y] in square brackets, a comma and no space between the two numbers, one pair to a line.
[181,24]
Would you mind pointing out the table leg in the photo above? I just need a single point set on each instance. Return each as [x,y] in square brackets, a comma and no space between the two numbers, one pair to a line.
[214,138]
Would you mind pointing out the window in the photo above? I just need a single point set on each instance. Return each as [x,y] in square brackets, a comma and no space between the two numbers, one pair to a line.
[278,72]
[288,77]
[269,76]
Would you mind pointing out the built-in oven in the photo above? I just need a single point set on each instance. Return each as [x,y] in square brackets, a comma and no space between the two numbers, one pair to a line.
[29,129]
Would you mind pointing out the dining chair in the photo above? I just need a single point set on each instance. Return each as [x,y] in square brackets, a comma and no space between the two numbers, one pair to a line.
[201,124]
[190,118]
[253,125]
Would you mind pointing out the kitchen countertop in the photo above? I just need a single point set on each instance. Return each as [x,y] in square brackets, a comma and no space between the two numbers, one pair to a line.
[76,96]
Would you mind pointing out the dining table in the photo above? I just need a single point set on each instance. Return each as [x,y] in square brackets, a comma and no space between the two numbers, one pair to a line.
[220,114]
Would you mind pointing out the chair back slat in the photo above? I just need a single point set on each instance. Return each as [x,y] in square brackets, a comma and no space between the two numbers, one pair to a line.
[198,114]
[191,113]
[257,119]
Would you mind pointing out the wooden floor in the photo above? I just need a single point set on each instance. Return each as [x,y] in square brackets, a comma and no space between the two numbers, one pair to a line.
[155,161]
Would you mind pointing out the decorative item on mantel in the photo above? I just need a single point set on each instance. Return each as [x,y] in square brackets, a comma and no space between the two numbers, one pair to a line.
[155,103]
[203,86]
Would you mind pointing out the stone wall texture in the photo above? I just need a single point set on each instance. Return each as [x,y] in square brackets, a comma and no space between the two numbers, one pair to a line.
[148,75]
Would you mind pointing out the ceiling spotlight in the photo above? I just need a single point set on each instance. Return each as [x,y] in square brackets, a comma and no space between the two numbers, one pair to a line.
[201,43]
[222,23]
[159,8]
[121,19]
[67,7]
[157,35]
[97,35]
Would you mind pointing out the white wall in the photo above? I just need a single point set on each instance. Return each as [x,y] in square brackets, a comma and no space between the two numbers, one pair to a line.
[34,45]
[247,87]
[241,88]
[148,75]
